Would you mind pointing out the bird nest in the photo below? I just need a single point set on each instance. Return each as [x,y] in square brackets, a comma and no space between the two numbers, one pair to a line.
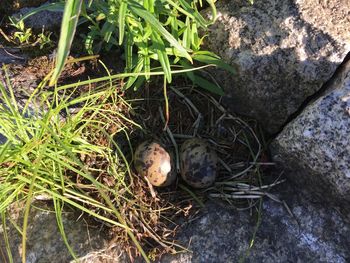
[171,116]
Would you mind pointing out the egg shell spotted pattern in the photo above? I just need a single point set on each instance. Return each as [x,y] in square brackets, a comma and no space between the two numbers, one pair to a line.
[155,163]
[198,163]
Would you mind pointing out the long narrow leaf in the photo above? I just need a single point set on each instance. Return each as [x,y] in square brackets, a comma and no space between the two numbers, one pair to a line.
[58,209]
[69,23]
[6,239]
[128,53]
[136,72]
[126,75]
[202,82]
[207,85]
[188,11]
[157,26]
[213,10]
[149,5]
[162,56]
[55,7]
[121,20]
[186,38]
[210,58]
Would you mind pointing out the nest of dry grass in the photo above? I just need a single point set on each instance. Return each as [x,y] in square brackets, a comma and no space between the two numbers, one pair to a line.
[156,214]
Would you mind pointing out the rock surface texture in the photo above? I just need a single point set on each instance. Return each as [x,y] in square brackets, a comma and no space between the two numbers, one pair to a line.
[315,147]
[44,242]
[284,49]
[48,20]
[311,233]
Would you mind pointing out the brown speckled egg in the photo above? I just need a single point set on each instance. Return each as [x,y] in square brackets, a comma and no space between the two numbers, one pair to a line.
[154,162]
[198,163]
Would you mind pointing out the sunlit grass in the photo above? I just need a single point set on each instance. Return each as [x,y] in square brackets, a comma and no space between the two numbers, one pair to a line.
[152,33]
[42,152]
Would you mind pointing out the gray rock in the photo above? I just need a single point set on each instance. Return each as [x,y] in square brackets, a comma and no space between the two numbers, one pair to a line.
[315,147]
[312,233]
[46,19]
[284,49]
[44,242]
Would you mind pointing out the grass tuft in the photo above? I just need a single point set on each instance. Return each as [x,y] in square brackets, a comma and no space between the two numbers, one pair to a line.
[43,148]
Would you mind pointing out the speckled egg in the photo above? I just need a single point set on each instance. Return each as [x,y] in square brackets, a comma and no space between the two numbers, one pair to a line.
[154,162]
[198,163]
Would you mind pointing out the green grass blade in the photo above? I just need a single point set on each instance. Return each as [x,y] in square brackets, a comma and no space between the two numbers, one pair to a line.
[137,72]
[149,5]
[107,31]
[174,27]
[158,45]
[191,13]
[126,75]
[69,23]
[121,20]
[213,10]
[128,53]
[208,57]
[58,209]
[55,7]
[147,66]
[29,200]
[186,37]
[195,41]
[70,202]
[6,238]
[207,85]
[104,196]
[202,82]
[158,27]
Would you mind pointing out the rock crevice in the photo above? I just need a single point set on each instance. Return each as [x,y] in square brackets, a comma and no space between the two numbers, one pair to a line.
[326,87]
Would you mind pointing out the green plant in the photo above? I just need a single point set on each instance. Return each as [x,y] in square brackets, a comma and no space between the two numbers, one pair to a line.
[44,39]
[42,153]
[151,27]
[25,36]
[162,31]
